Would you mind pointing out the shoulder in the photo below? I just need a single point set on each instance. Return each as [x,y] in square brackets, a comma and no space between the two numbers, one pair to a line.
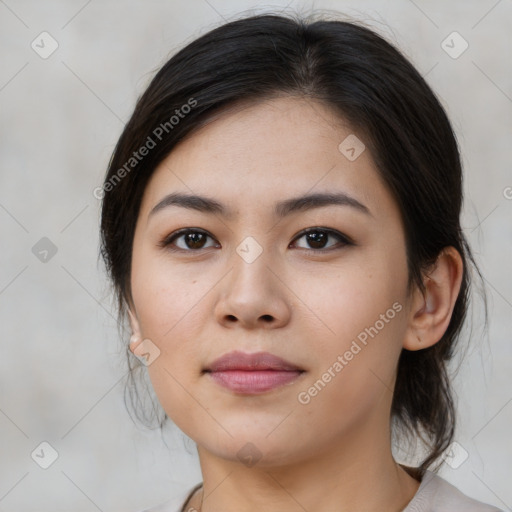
[176,503]
[437,495]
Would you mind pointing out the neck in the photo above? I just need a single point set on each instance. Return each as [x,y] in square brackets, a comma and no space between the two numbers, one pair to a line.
[358,473]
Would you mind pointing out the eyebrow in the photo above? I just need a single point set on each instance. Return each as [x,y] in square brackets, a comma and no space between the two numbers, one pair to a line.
[281,209]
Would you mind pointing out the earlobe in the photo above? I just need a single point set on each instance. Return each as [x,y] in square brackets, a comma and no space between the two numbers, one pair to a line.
[136,337]
[431,312]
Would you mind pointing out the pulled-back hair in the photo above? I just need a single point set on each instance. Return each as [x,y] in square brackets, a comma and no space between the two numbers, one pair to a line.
[368,83]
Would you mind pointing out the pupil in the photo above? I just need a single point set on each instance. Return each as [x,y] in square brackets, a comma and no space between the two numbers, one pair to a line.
[317,237]
[194,240]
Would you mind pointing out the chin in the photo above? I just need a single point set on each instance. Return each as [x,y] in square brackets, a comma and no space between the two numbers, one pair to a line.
[253,447]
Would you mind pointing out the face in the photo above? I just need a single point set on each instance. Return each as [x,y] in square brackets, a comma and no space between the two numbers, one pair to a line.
[319,284]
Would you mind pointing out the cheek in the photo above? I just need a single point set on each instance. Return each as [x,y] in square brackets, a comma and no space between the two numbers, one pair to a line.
[169,302]
[363,322]
[354,373]
[347,301]
[170,305]
[166,297]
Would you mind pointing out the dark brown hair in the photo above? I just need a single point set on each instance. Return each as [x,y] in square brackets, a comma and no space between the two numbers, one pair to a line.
[370,84]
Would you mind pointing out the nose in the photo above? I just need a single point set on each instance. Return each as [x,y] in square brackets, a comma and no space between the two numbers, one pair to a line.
[253,295]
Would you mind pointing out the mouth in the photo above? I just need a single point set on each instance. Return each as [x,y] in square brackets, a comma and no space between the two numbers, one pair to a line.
[252,373]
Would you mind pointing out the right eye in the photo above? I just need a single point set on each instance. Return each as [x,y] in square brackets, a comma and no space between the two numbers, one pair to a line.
[192,240]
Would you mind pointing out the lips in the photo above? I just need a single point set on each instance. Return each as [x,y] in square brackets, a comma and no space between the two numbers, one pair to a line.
[252,373]
[250,362]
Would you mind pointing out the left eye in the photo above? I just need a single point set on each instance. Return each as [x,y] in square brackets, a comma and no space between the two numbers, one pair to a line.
[317,238]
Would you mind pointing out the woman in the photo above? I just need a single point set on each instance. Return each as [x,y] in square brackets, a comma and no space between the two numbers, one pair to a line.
[281,225]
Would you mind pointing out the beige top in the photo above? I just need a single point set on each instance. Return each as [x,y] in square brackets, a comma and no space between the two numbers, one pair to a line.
[433,495]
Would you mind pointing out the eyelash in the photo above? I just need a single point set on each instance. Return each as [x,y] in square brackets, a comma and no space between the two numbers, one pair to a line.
[168,241]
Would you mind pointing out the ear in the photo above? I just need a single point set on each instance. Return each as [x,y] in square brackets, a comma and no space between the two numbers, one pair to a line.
[430,314]
[136,337]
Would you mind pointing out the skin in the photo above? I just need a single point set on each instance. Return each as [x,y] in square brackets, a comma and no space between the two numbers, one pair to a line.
[306,306]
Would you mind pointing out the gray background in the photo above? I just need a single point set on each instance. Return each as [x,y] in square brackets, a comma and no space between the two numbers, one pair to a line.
[62,366]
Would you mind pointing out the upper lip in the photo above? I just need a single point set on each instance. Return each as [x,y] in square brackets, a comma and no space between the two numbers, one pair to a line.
[250,362]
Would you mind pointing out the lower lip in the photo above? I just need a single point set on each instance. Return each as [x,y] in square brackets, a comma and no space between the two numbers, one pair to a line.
[253,382]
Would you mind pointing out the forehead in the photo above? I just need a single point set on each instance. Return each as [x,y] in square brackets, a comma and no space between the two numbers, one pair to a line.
[263,152]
